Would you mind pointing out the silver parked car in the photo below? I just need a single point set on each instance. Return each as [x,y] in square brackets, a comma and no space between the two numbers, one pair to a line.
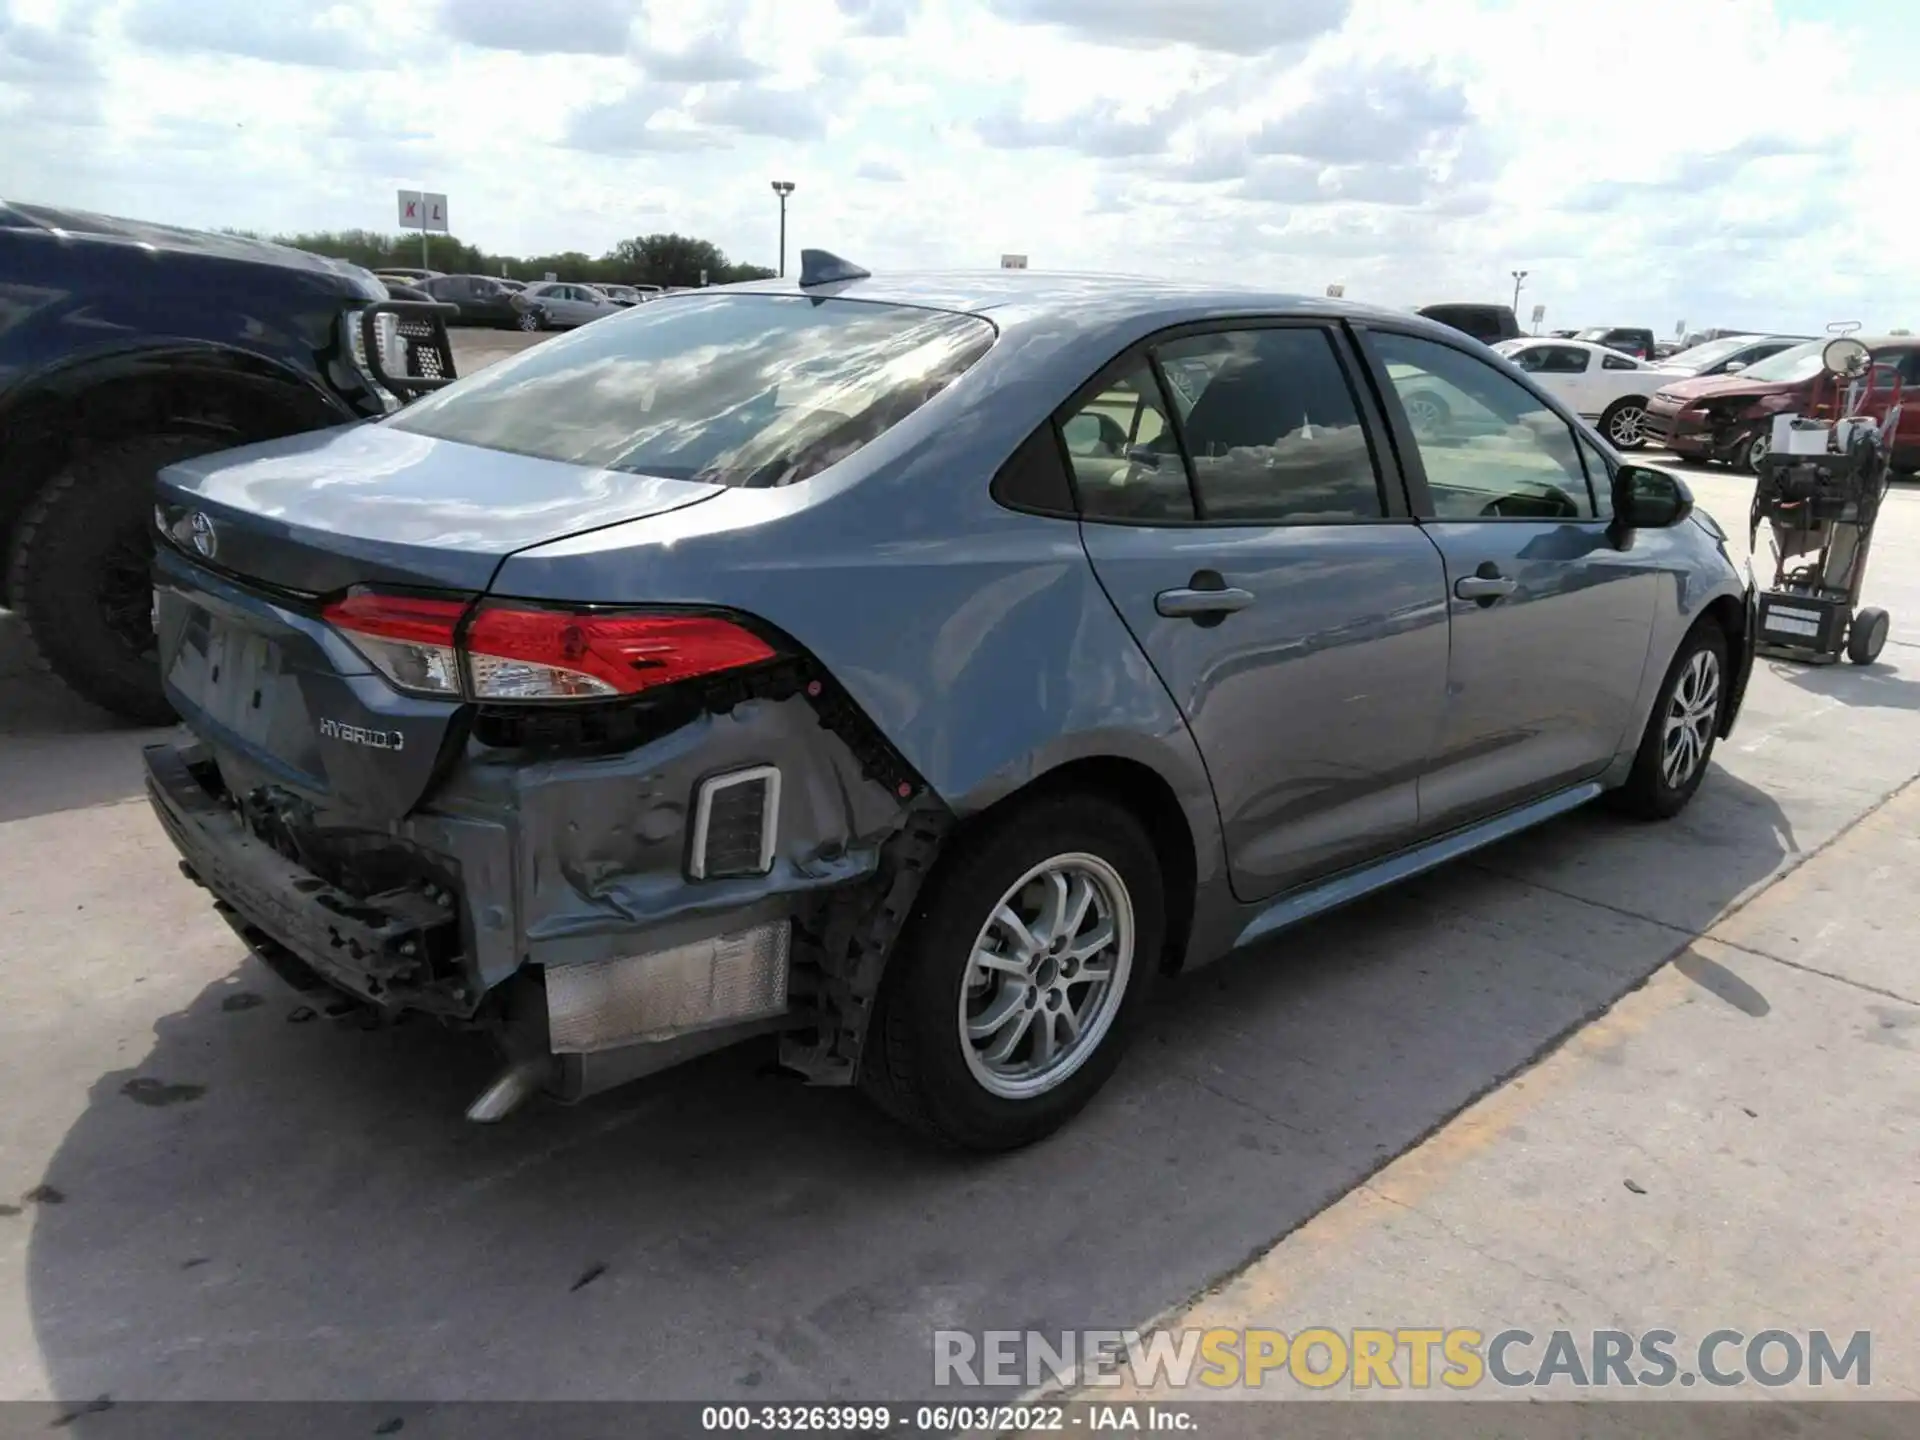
[561,305]
[912,668]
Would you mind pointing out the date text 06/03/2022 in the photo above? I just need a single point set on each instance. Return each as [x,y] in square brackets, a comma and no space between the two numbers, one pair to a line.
[949,1419]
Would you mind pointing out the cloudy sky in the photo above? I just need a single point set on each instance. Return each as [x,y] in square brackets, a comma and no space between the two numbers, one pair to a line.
[1726,162]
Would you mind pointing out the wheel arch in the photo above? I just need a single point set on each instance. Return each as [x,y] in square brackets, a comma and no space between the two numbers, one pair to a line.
[1145,793]
[1729,612]
[183,386]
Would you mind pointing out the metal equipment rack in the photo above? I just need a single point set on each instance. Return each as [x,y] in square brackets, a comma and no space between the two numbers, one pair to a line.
[1819,491]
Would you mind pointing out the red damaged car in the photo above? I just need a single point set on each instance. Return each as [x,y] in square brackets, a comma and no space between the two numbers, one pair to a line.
[1730,417]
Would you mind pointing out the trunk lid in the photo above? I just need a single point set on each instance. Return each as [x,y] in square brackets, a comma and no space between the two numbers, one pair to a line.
[262,535]
[296,717]
[369,504]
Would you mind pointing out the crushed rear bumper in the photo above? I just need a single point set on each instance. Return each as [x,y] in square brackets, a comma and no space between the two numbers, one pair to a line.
[400,948]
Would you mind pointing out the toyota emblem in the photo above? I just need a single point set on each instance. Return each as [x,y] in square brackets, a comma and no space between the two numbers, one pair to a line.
[205,539]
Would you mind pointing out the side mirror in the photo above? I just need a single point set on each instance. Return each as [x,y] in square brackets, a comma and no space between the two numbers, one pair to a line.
[1733,367]
[1649,499]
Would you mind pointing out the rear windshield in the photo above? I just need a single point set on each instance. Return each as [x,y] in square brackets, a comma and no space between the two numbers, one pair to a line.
[750,390]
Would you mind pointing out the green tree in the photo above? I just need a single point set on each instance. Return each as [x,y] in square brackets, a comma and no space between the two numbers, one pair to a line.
[669,259]
[664,259]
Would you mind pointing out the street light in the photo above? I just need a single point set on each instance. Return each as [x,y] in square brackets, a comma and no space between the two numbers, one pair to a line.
[1519,276]
[783,188]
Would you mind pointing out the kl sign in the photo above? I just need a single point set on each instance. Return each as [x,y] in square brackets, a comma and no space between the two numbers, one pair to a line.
[423,211]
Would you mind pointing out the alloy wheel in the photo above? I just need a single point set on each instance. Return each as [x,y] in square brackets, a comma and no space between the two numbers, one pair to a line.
[1625,426]
[1757,451]
[1046,976]
[1422,414]
[1692,712]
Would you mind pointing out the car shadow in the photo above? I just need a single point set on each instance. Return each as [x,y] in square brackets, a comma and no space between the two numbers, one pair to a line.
[57,752]
[273,1204]
[1879,686]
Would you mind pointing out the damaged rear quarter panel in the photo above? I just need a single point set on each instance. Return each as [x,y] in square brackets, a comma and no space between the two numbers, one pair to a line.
[600,842]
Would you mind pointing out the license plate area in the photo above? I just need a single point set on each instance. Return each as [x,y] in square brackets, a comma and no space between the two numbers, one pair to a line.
[243,685]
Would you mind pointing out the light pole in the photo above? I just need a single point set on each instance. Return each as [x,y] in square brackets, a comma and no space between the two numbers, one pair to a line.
[1519,278]
[783,188]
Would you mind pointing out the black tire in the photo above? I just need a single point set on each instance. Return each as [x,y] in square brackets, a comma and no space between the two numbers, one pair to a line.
[1752,453]
[916,1067]
[1612,413]
[1867,635]
[79,572]
[531,320]
[1648,794]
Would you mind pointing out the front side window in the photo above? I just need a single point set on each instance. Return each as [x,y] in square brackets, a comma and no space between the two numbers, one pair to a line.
[1492,450]
[749,390]
[1891,365]
[1599,477]
[1272,431]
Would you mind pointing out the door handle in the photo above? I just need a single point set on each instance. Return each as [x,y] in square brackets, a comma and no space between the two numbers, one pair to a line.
[1484,588]
[1201,604]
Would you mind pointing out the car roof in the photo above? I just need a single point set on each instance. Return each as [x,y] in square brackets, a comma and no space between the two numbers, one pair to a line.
[1090,299]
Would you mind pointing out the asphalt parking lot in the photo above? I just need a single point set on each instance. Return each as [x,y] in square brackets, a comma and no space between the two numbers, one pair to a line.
[206,1196]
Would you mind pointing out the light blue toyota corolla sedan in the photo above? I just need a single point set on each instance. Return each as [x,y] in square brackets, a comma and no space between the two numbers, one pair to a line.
[910,670]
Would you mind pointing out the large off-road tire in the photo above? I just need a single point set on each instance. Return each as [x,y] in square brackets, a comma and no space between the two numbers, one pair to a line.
[956,1049]
[80,572]
[1677,744]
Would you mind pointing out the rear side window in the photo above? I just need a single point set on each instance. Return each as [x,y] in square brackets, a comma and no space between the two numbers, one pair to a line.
[1272,429]
[1552,360]
[1120,446]
[748,390]
[1618,362]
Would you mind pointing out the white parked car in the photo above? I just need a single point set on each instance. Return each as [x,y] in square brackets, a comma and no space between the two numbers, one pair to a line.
[1598,384]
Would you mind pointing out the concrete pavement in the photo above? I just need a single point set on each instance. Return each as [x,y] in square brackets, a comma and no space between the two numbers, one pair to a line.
[1734,1145]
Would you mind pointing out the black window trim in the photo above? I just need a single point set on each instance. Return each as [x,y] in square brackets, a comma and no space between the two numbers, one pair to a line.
[1590,441]
[1407,449]
[1389,479]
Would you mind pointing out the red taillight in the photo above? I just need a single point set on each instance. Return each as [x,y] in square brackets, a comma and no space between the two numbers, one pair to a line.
[512,652]
[409,639]
[555,654]
[397,617]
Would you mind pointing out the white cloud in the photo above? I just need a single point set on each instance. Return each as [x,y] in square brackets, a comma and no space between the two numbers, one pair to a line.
[1412,149]
[581,27]
[1240,27]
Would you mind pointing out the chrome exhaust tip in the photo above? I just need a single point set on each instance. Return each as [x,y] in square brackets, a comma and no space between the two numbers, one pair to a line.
[511,1089]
